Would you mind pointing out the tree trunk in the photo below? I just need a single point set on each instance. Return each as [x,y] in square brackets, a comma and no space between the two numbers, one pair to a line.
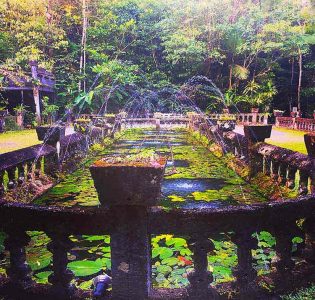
[300,80]
[230,77]
[82,85]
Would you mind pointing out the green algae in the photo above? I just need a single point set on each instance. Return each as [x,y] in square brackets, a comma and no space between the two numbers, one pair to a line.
[176,198]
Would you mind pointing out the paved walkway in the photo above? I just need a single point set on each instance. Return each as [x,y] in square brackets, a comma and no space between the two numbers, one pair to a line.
[286,138]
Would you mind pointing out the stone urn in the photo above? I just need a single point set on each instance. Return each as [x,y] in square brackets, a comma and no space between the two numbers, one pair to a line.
[257,133]
[82,125]
[122,181]
[50,134]
[226,111]
[309,140]
[255,110]
[278,113]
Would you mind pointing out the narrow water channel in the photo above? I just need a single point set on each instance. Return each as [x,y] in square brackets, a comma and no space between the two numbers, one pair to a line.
[194,177]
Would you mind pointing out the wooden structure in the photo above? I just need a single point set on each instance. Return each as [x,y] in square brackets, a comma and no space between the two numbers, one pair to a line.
[27,88]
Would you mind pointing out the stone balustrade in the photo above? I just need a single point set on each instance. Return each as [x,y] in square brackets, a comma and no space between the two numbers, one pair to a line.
[303,124]
[28,163]
[243,118]
[131,269]
[131,228]
[282,165]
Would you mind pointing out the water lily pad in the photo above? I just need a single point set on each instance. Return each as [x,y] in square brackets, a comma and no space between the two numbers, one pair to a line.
[82,268]
[42,277]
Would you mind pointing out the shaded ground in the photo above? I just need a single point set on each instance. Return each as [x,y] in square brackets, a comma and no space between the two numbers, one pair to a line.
[282,137]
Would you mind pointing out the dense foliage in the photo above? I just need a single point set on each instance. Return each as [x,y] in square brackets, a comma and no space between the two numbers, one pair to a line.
[259,53]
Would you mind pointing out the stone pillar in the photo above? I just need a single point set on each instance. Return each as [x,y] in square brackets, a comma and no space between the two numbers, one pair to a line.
[158,124]
[256,134]
[128,191]
[130,253]
[34,67]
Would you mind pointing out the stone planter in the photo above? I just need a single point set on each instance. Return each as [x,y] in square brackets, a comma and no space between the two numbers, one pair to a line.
[309,140]
[82,126]
[157,115]
[257,133]
[3,114]
[278,113]
[255,110]
[226,110]
[128,182]
[20,119]
[314,115]
[50,134]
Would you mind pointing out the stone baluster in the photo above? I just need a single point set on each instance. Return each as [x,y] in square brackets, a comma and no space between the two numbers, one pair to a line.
[303,184]
[131,266]
[256,163]
[61,278]
[309,140]
[275,170]
[12,179]
[29,166]
[38,167]
[309,249]
[200,279]
[18,271]
[284,233]
[291,177]
[282,173]
[245,273]
[2,190]
[267,166]
[51,164]
[21,173]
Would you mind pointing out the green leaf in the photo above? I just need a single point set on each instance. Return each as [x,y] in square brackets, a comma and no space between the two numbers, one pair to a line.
[42,277]
[164,269]
[82,268]
[162,252]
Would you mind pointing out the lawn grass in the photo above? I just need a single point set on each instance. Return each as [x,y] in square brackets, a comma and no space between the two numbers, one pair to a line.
[288,138]
[14,140]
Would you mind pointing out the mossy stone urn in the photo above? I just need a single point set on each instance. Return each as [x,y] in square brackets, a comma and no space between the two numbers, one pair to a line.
[257,133]
[309,140]
[50,134]
[128,182]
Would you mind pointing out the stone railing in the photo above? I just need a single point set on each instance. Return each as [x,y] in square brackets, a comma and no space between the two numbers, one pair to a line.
[303,124]
[159,120]
[28,163]
[131,228]
[243,118]
[281,164]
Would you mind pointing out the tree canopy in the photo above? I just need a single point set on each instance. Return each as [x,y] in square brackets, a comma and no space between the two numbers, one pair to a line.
[259,53]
